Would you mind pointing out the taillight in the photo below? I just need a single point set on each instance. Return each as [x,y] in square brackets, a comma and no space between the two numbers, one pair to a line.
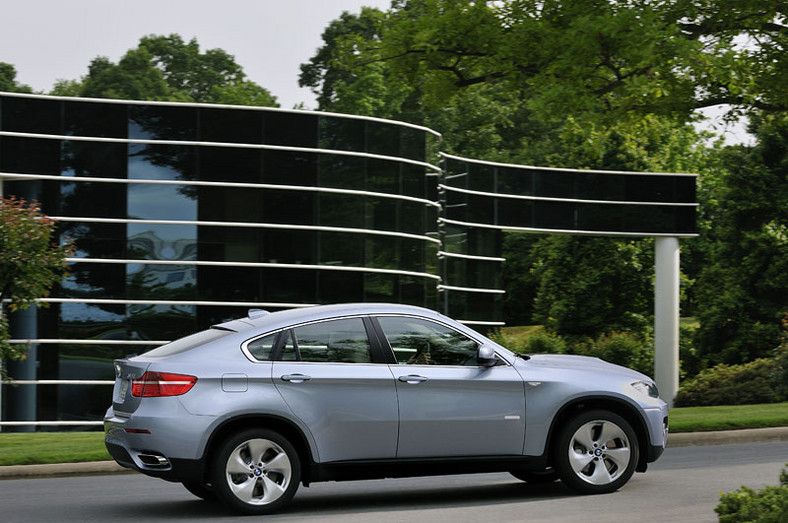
[157,384]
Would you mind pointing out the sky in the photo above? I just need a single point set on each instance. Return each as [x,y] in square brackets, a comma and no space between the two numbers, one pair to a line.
[50,40]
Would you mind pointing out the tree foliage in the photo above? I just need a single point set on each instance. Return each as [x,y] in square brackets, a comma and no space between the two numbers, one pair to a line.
[8,81]
[167,68]
[31,262]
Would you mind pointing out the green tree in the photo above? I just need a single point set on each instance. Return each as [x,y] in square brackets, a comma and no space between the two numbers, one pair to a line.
[8,81]
[31,262]
[167,68]
[742,284]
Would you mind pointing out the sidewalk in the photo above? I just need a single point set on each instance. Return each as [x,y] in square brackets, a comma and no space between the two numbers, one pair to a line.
[687,439]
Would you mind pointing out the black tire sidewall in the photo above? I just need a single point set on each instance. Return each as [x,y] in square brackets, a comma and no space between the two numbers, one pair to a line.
[219,464]
[561,452]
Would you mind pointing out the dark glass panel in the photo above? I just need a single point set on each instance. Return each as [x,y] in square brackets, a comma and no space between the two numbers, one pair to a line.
[339,286]
[515,181]
[293,129]
[554,184]
[231,125]
[229,244]
[343,134]
[161,282]
[455,239]
[594,186]
[414,144]
[382,252]
[30,115]
[289,207]
[515,213]
[481,209]
[342,172]
[414,181]
[162,122]
[231,204]
[383,176]
[382,214]
[455,206]
[686,219]
[418,291]
[283,246]
[162,162]
[686,189]
[341,210]
[655,188]
[383,138]
[484,242]
[457,272]
[290,168]
[341,249]
[290,285]
[412,254]
[601,217]
[95,160]
[232,283]
[413,218]
[381,288]
[93,280]
[29,156]
[481,177]
[554,215]
[161,322]
[225,164]
[105,120]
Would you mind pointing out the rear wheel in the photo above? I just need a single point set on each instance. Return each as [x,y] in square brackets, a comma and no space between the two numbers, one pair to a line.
[596,452]
[256,471]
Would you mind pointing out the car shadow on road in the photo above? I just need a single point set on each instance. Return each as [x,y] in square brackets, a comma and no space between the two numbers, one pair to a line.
[361,497]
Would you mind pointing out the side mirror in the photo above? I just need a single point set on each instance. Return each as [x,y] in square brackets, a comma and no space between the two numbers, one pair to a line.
[486,356]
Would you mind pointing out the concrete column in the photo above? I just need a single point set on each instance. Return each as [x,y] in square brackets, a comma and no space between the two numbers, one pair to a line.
[666,317]
[22,400]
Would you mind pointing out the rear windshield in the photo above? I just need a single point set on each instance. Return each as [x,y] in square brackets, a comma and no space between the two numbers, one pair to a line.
[188,343]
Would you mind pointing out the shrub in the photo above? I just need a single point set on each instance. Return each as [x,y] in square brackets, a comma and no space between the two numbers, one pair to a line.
[746,384]
[769,504]
[621,348]
[540,342]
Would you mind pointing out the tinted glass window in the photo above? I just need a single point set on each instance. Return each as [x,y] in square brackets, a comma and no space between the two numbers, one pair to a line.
[343,341]
[421,342]
[261,348]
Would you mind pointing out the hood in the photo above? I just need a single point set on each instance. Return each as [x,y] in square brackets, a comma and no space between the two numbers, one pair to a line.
[585,363]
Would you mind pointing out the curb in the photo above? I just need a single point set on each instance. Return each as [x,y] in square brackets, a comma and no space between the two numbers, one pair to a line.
[684,439]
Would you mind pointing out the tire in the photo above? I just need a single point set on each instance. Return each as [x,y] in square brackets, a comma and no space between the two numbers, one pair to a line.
[535,477]
[596,452]
[201,490]
[256,471]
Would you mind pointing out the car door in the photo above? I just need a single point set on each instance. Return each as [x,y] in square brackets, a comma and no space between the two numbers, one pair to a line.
[449,405]
[333,381]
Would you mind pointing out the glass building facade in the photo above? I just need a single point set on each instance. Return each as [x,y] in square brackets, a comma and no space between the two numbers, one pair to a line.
[185,215]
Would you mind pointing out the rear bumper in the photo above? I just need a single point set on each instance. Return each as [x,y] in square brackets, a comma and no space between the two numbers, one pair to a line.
[175,469]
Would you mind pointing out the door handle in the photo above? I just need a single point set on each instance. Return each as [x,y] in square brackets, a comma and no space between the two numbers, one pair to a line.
[412,379]
[296,378]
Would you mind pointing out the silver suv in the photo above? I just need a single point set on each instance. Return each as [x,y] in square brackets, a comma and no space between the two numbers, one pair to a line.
[247,410]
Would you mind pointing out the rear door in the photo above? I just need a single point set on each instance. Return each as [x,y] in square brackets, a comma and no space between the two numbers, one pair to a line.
[449,405]
[333,381]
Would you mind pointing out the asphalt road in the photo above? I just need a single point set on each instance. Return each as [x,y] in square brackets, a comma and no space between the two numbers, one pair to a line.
[684,485]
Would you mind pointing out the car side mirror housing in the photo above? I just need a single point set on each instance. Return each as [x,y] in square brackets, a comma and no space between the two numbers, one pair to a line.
[486,356]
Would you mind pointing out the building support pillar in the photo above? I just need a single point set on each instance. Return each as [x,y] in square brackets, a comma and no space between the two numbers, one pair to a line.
[666,317]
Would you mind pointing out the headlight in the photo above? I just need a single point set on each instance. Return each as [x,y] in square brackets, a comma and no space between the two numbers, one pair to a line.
[646,388]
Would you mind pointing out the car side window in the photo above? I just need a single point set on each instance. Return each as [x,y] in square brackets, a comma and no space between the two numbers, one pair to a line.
[339,341]
[261,348]
[422,342]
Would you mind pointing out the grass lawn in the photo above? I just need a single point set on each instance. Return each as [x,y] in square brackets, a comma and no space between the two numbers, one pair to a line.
[698,419]
[20,448]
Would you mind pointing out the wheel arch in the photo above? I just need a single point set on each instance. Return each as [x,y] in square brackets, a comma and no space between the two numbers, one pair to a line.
[283,426]
[611,404]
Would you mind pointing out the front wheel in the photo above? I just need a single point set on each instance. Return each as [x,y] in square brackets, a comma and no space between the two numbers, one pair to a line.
[257,471]
[596,452]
